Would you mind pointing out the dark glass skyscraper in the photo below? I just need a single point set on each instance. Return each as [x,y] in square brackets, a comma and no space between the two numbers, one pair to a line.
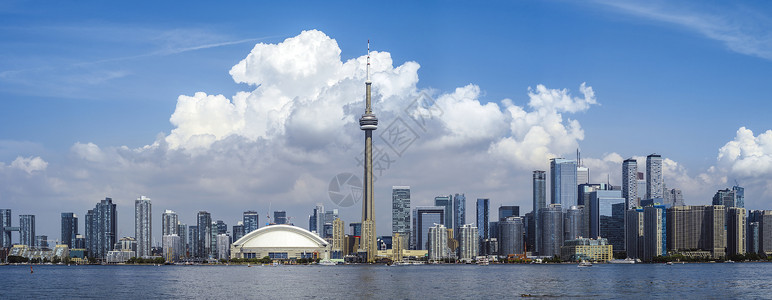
[101,228]
[251,221]
[69,229]
[551,230]
[506,211]
[205,233]
[459,212]
[280,217]
[447,203]
[27,230]
[563,182]
[482,220]
[539,202]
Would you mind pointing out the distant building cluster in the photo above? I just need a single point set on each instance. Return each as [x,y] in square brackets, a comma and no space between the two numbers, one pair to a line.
[641,219]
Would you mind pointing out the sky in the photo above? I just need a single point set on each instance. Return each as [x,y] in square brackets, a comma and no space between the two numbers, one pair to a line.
[241,106]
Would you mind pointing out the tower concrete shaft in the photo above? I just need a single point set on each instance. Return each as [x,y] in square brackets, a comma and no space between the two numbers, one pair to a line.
[368,122]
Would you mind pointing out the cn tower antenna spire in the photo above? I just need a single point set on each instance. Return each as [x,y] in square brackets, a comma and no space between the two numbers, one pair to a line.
[368,60]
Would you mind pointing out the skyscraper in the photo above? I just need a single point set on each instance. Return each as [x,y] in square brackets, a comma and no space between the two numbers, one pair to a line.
[724,197]
[654,181]
[510,236]
[539,202]
[735,231]
[654,232]
[630,183]
[467,250]
[238,231]
[169,222]
[425,217]
[447,203]
[437,242]
[5,228]
[573,223]
[143,225]
[607,217]
[634,232]
[739,194]
[551,230]
[459,212]
[316,222]
[563,182]
[69,229]
[251,221]
[506,211]
[400,212]
[101,228]
[338,235]
[204,227]
[193,241]
[279,217]
[482,221]
[368,122]
[27,230]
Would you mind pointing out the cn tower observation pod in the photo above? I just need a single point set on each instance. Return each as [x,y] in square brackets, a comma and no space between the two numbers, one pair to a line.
[281,242]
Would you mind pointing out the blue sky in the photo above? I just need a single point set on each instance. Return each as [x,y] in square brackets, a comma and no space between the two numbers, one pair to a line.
[675,78]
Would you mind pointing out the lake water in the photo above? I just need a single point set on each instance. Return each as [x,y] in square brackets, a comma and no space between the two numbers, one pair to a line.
[716,281]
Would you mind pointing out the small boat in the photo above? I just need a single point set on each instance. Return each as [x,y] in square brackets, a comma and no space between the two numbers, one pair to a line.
[622,261]
[585,263]
[729,261]
[670,263]
[326,263]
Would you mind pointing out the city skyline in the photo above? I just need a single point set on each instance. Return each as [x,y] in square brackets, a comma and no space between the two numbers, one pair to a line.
[269,157]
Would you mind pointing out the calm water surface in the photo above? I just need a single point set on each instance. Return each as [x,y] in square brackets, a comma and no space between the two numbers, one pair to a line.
[694,281]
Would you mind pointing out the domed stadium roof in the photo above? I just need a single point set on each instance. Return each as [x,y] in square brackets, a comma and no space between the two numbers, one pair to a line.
[280,236]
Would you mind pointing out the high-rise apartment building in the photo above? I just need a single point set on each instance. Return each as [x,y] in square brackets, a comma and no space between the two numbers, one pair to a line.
[467,248]
[654,180]
[5,228]
[539,202]
[193,241]
[424,217]
[654,232]
[511,232]
[691,228]
[338,235]
[438,242]
[143,225]
[400,213]
[735,230]
[173,248]
[169,222]
[482,222]
[69,229]
[551,230]
[27,230]
[573,223]
[634,230]
[251,221]
[238,231]
[223,242]
[563,182]
[630,183]
[205,233]
[447,203]
[101,228]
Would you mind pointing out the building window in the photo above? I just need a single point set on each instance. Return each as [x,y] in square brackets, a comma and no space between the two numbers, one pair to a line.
[278,255]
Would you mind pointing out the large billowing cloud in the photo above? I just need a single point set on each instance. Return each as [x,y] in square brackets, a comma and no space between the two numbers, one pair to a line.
[748,155]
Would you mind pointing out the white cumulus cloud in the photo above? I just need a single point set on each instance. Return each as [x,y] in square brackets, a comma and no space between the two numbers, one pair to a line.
[29,164]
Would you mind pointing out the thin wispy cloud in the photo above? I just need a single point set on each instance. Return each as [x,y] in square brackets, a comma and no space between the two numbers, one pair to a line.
[742,30]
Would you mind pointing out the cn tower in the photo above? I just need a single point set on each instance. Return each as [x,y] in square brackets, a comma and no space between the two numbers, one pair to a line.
[368,122]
